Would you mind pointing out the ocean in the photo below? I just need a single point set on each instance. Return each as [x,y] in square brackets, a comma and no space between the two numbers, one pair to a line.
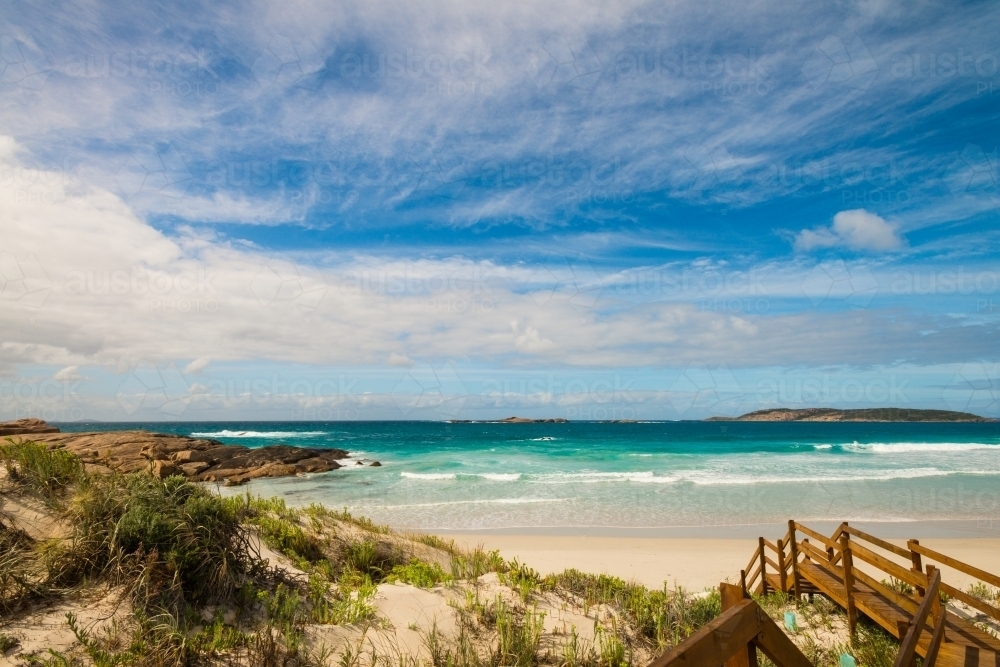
[654,476]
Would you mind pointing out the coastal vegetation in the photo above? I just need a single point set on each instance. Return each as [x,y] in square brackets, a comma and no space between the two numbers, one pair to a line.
[139,570]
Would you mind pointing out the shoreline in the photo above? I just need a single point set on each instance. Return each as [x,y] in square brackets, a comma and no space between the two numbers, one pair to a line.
[695,563]
[892,530]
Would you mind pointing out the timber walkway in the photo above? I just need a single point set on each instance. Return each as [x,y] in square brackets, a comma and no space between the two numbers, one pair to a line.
[806,562]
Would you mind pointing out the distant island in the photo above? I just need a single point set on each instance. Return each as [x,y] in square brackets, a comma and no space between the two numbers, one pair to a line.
[510,420]
[865,415]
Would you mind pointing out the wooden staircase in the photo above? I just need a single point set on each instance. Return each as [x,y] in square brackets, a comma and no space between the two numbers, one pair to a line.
[817,564]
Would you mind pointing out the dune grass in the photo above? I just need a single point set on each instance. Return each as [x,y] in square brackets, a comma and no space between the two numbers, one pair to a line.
[178,551]
[45,471]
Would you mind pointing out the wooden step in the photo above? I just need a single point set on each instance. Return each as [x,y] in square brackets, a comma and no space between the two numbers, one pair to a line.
[958,631]
[959,655]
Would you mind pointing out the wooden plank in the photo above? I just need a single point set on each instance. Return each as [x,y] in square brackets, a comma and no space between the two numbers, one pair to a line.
[888,566]
[716,641]
[888,546]
[939,615]
[898,599]
[817,536]
[827,584]
[763,565]
[731,596]
[782,568]
[753,577]
[776,645]
[984,607]
[852,610]
[915,563]
[908,647]
[753,559]
[971,570]
[793,553]
[772,564]
[960,655]
[812,551]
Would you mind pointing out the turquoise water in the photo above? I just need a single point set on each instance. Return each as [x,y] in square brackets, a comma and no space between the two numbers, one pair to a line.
[635,475]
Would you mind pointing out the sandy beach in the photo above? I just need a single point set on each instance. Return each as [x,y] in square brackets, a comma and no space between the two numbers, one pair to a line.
[694,563]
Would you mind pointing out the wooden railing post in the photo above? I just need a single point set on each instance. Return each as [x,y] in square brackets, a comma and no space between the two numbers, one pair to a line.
[743,583]
[793,553]
[731,596]
[917,564]
[763,565]
[848,563]
[782,573]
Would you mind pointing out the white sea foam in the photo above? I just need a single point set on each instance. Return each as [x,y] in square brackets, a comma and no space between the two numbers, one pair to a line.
[822,446]
[905,447]
[492,501]
[645,477]
[713,479]
[543,439]
[428,475]
[258,434]
[500,476]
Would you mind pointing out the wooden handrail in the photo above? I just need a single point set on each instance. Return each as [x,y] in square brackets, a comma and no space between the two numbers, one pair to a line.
[772,564]
[971,570]
[908,645]
[887,566]
[817,536]
[888,546]
[984,607]
[812,551]
[753,577]
[899,599]
[717,640]
[771,545]
[753,559]
[739,628]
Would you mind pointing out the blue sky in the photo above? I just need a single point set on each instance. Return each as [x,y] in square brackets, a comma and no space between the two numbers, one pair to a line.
[441,210]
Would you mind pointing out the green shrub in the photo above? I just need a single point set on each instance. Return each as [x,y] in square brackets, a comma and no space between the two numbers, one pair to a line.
[418,573]
[174,538]
[45,471]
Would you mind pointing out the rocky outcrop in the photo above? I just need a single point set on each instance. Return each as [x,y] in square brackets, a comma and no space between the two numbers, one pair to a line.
[863,415]
[20,426]
[200,459]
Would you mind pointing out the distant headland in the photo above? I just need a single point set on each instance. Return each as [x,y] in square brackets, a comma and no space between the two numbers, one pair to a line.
[864,415]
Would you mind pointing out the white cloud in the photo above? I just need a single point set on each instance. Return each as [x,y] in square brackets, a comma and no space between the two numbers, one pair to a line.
[396,359]
[69,374]
[123,292]
[856,229]
[197,366]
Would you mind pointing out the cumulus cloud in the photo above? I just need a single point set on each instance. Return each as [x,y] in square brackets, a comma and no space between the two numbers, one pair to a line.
[197,366]
[856,229]
[69,374]
[396,359]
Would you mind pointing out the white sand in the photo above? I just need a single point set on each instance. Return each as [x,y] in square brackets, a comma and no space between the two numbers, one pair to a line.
[694,563]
